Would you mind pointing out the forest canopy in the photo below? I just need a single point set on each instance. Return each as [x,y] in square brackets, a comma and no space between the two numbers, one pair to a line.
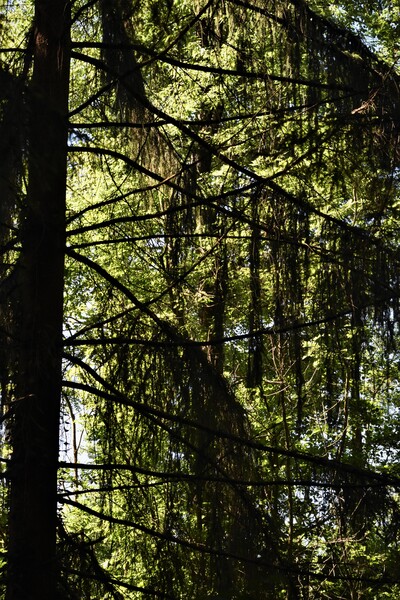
[199,299]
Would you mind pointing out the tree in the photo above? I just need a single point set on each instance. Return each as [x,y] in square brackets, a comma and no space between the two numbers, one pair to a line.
[36,405]
[227,210]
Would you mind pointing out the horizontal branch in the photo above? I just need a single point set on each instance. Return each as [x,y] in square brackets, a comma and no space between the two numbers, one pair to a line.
[214,70]
[253,179]
[143,409]
[136,218]
[196,546]
[167,477]
[116,199]
[184,342]
[197,122]
[205,549]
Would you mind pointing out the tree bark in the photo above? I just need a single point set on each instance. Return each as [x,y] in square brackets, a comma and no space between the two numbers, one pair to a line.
[32,568]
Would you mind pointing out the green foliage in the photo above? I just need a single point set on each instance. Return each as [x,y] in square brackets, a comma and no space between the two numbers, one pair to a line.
[231,301]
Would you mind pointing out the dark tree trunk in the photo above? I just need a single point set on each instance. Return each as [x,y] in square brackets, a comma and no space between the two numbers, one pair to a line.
[32,570]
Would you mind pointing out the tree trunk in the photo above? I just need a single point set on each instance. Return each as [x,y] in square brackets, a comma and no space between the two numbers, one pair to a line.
[32,569]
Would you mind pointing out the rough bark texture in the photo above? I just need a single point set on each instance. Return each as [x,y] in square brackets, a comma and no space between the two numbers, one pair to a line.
[32,570]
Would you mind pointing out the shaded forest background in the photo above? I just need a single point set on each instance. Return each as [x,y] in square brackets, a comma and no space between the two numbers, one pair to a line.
[199,299]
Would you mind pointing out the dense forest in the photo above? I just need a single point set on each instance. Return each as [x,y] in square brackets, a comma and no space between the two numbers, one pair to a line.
[199,299]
